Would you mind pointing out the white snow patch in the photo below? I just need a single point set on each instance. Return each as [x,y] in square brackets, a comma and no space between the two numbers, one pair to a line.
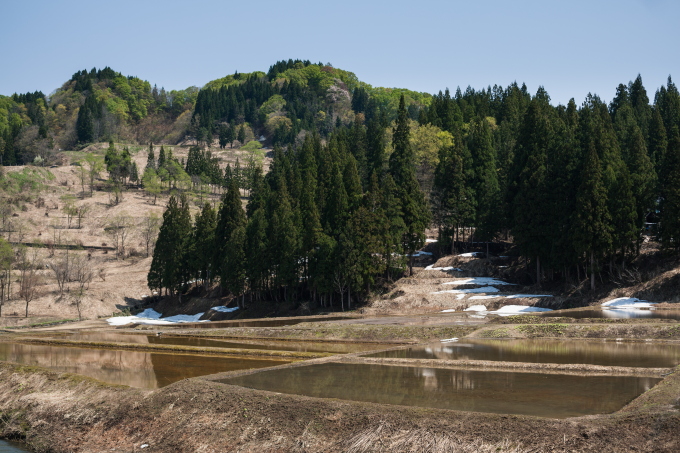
[152,317]
[510,310]
[421,253]
[483,297]
[224,309]
[448,268]
[628,302]
[449,310]
[519,296]
[485,289]
[479,281]
[476,307]
[449,340]
[470,254]
[431,240]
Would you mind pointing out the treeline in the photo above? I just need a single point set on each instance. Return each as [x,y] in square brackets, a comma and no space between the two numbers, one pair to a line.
[575,187]
[327,222]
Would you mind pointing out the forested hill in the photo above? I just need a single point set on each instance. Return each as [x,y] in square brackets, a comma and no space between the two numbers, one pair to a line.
[102,105]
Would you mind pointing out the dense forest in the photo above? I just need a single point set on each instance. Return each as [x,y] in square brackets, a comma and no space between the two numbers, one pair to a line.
[360,172]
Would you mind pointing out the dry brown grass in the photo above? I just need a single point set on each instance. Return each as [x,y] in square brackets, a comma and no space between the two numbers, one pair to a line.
[386,438]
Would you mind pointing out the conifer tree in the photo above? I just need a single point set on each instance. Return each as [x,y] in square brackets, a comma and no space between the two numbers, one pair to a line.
[414,211]
[591,227]
[241,135]
[230,217]
[643,179]
[150,158]
[203,243]
[670,194]
[485,180]
[658,142]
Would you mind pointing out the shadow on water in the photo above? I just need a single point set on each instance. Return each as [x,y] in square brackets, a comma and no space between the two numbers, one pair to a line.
[543,395]
[613,313]
[136,369]
[609,353]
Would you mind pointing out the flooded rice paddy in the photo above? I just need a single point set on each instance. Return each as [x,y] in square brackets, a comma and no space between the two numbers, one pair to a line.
[148,370]
[609,353]
[613,313]
[297,346]
[544,395]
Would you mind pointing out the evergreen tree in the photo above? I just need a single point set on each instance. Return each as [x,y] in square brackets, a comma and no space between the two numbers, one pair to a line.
[150,158]
[415,214]
[485,180]
[658,142]
[670,194]
[161,158]
[241,135]
[168,266]
[643,179]
[591,227]
[230,217]
[203,243]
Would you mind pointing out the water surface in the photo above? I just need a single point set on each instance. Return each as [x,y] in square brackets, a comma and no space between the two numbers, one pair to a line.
[298,346]
[614,313]
[11,447]
[627,354]
[544,395]
[137,369]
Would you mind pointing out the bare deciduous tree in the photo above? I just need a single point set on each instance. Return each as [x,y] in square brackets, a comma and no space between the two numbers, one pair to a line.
[29,279]
[61,269]
[149,227]
[119,230]
[82,273]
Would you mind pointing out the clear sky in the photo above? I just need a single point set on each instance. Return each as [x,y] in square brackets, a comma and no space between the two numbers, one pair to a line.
[571,47]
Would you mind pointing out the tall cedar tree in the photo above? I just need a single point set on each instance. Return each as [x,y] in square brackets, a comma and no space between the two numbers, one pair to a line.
[670,194]
[168,266]
[591,227]
[485,179]
[230,217]
[414,210]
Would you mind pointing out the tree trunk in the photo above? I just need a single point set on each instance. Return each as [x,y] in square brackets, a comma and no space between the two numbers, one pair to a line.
[538,270]
[592,270]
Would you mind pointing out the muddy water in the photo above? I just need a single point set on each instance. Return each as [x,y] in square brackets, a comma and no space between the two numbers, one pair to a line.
[273,322]
[614,314]
[547,351]
[298,346]
[136,369]
[11,447]
[555,396]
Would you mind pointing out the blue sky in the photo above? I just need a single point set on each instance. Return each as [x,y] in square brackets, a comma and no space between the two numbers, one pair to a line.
[570,47]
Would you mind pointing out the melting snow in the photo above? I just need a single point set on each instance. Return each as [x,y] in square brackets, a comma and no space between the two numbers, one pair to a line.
[152,317]
[485,289]
[449,268]
[628,302]
[483,297]
[510,310]
[421,253]
[520,296]
[224,309]
[449,340]
[470,254]
[479,281]
[431,240]
[476,308]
